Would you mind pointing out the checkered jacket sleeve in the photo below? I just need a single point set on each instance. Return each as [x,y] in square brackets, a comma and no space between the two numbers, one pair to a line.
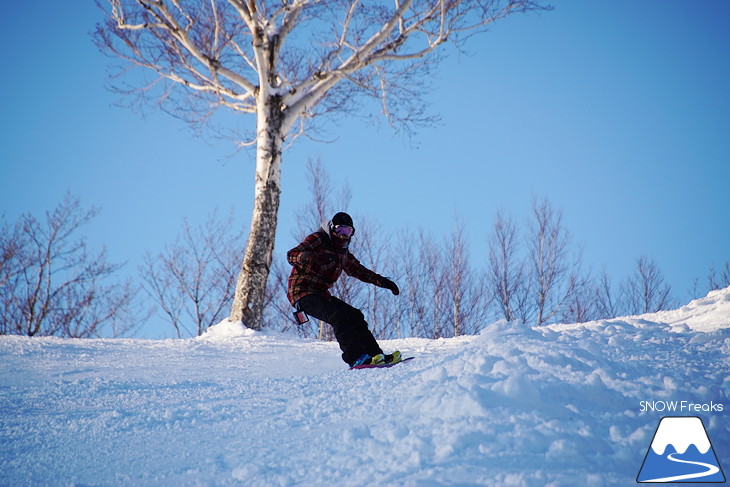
[354,268]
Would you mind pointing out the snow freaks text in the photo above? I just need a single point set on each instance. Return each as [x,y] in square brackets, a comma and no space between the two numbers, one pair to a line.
[681,407]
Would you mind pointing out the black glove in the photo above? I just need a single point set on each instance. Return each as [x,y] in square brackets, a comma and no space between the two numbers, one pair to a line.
[388,284]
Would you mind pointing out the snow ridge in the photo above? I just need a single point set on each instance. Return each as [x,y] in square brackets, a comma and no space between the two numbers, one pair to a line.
[512,406]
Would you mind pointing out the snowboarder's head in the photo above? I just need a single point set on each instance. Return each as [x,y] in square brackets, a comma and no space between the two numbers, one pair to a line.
[341,229]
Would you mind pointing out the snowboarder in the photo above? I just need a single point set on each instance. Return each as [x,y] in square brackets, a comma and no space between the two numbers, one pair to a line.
[317,264]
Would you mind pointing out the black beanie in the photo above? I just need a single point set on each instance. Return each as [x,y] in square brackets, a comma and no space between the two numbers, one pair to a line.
[342,218]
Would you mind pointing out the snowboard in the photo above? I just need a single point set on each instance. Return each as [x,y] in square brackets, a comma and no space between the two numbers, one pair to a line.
[380,366]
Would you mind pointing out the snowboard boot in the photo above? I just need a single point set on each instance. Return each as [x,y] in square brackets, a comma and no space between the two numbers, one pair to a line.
[363,360]
[392,358]
[378,359]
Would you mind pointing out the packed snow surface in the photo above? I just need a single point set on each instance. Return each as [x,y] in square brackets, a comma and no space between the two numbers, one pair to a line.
[563,405]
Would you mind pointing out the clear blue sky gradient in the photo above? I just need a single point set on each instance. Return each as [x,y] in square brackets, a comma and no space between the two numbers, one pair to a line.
[618,112]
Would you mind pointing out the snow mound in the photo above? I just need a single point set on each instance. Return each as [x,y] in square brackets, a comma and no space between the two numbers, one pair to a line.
[562,405]
[226,330]
[707,314]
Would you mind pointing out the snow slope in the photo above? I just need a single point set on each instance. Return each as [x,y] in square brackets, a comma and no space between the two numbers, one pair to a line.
[564,405]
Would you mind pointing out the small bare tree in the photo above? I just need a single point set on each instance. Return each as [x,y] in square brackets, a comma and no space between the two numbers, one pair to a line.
[436,296]
[646,291]
[506,273]
[467,293]
[193,280]
[52,285]
[287,62]
[719,279]
[554,277]
[606,301]
[581,305]
[325,201]
[413,308]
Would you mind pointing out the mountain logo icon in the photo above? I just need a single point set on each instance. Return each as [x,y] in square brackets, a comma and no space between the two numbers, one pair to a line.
[680,452]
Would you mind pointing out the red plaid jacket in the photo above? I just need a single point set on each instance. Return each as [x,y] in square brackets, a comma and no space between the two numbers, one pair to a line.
[317,265]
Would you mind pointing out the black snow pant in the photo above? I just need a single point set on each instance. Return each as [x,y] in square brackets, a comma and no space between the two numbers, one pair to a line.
[351,329]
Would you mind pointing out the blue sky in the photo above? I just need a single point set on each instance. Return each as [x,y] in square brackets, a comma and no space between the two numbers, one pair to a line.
[618,112]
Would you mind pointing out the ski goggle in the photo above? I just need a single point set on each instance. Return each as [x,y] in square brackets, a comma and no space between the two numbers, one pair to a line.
[343,231]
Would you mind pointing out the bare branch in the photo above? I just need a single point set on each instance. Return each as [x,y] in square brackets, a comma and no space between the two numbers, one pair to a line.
[646,291]
[193,280]
[554,278]
[51,285]
[506,274]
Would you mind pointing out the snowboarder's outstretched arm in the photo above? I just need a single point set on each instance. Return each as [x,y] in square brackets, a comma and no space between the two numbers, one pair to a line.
[354,268]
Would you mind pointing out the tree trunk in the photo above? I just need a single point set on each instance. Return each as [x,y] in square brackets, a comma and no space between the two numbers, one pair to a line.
[248,303]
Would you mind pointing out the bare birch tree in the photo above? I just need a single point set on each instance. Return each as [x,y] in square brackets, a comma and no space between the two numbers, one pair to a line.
[581,305]
[719,279]
[413,308]
[287,62]
[467,294]
[554,277]
[646,290]
[506,271]
[607,303]
[436,296]
[192,281]
[52,285]
[325,201]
